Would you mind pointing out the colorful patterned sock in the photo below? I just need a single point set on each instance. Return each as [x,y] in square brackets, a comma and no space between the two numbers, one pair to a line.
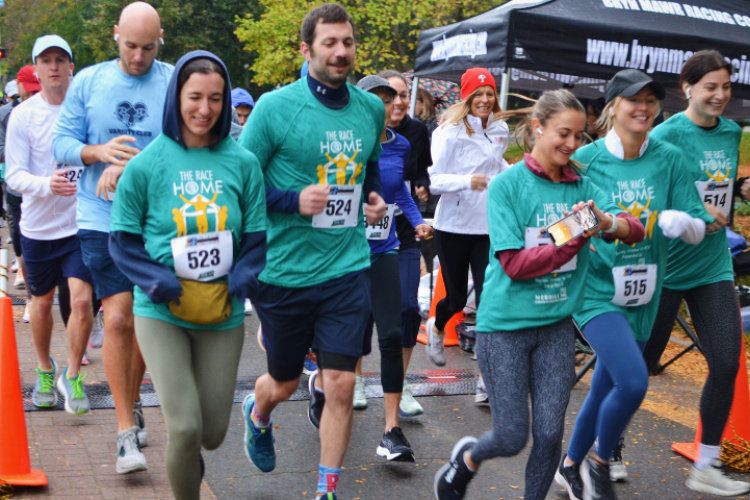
[328,479]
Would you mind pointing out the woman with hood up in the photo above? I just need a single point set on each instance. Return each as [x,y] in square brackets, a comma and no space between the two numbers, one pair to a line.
[188,228]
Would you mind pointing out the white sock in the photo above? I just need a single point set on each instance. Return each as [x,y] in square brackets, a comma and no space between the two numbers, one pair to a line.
[707,456]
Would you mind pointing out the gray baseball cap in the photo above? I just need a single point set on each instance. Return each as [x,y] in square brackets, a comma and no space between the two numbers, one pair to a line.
[629,82]
[47,42]
[373,82]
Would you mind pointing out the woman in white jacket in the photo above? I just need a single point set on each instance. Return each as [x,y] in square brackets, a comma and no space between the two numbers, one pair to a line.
[467,152]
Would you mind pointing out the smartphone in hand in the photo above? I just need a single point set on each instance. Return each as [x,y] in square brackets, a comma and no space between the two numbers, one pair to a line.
[572,226]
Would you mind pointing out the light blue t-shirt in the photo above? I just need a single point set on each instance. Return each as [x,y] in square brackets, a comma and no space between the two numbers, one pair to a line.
[103,103]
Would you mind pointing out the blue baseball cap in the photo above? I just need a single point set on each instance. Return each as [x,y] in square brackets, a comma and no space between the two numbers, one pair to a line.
[242,96]
[47,42]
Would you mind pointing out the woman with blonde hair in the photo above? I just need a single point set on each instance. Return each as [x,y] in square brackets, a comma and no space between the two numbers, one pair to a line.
[425,110]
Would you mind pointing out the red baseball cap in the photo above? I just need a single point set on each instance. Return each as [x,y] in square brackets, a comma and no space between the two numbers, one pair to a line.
[27,77]
[475,78]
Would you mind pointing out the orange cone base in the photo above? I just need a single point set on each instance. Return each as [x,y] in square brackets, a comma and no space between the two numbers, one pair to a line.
[687,450]
[450,339]
[33,478]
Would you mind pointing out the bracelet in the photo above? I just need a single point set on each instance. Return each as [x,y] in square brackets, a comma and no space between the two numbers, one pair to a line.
[614,224]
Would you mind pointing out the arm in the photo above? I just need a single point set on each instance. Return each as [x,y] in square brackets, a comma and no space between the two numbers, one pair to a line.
[441,181]
[70,134]
[3,131]
[372,182]
[156,280]
[521,264]
[406,203]
[281,201]
[636,230]
[17,174]
[243,277]
[424,160]
[676,224]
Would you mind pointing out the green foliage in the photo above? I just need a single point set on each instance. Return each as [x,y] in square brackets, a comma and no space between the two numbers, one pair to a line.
[745,149]
[386,32]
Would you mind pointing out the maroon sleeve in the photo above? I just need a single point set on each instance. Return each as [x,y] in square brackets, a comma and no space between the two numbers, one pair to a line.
[522,264]
[637,231]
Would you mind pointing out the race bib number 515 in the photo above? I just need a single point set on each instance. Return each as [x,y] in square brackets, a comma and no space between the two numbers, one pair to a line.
[634,285]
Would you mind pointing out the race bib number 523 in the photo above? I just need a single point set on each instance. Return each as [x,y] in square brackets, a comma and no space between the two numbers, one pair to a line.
[203,257]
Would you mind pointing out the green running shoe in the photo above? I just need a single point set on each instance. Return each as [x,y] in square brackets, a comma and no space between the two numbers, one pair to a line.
[76,400]
[45,394]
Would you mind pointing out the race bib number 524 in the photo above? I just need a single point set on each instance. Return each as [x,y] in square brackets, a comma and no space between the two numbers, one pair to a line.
[342,209]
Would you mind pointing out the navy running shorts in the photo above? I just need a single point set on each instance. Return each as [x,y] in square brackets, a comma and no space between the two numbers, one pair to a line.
[47,261]
[108,279]
[330,318]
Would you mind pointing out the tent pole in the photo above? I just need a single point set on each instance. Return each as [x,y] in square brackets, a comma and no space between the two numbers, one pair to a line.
[413,99]
[504,88]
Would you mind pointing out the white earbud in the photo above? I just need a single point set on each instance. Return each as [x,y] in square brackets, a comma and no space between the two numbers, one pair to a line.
[539,131]
[161,40]
[687,93]
[611,111]
[117,37]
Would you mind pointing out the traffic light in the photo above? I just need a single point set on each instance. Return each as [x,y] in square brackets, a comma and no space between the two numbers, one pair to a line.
[3,53]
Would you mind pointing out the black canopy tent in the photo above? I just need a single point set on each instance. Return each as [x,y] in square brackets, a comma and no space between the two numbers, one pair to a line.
[579,44]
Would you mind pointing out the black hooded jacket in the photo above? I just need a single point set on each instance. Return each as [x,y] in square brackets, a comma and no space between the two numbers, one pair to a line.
[128,250]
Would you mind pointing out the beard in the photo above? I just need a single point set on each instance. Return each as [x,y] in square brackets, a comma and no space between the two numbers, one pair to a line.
[326,74]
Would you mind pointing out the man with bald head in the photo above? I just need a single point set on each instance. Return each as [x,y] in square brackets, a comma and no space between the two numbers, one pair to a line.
[112,111]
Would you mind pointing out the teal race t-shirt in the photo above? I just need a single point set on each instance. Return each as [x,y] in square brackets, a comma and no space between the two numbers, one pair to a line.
[519,205]
[299,142]
[711,158]
[168,192]
[644,187]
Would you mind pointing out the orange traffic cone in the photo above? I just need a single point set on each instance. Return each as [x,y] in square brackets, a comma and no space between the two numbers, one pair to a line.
[15,466]
[451,338]
[737,431]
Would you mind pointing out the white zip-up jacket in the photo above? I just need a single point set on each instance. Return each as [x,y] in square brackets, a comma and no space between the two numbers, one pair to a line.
[455,158]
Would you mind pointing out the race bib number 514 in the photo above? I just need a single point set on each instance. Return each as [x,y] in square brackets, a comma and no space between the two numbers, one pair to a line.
[718,194]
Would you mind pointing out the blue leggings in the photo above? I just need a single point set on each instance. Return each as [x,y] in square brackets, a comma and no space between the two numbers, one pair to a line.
[618,386]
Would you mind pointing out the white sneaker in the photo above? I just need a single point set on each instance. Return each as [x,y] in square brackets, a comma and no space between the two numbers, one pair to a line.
[481,396]
[26,314]
[248,307]
[20,282]
[435,348]
[360,401]
[408,407]
[714,482]
[14,266]
[617,469]
[129,456]
[96,339]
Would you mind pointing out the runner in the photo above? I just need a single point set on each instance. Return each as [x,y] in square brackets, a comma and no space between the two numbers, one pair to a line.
[48,229]
[467,150]
[112,111]
[529,348]
[190,328]
[703,274]
[320,138]
[243,103]
[418,182]
[644,177]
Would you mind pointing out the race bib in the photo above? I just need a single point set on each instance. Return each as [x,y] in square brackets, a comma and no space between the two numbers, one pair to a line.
[718,194]
[634,285]
[537,237]
[203,257]
[342,209]
[73,173]
[382,229]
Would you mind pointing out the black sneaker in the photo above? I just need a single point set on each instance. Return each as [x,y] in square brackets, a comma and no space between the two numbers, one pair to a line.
[317,402]
[395,447]
[453,478]
[570,479]
[596,483]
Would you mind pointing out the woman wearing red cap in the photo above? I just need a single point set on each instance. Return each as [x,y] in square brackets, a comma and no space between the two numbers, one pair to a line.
[467,152]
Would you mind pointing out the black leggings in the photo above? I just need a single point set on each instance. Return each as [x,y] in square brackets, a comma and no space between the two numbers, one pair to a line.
[385,292]
[458,252]
[715,311]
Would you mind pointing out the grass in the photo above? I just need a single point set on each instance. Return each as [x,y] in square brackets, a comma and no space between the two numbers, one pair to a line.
[515,153]
[745,149]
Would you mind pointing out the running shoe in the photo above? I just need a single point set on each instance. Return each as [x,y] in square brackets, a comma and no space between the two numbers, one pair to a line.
[20,281]
[260,338]
[713,481]
[258,442]
[435,348]
[327,496]
[481,396]
[596,483]
[9,241]
[140,422]
[317,402]
[453,478]
[14,266]
[617,469]
[360,401]
[570,479]
[26,313]
[96,339]
[45,394]
[85,359]
[408,406]
[129,456]
[395,447]
[310,366]
[76,400]
[248,307]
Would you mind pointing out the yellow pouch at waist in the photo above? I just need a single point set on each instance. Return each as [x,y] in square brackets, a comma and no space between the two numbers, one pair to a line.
[203,303]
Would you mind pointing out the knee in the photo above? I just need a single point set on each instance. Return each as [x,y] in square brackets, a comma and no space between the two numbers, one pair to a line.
[43,305]
[338,387]
[726,371]
[391,344]
[81,304]
[634,388]
[510,443]
[185,436]
[213,437]
[279,391]
[119,323]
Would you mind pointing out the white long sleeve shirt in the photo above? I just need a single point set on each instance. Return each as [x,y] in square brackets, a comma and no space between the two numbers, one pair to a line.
[456,157]
[29,166]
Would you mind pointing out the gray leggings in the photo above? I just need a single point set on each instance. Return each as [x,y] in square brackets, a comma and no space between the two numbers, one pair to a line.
[194,373]
[536,361]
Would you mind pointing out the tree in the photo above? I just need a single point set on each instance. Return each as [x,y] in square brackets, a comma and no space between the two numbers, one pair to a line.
[386,32]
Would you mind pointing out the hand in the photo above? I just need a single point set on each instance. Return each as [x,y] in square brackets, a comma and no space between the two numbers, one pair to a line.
[606,221]
[422,193]
[60,185]
[479,182]
[745,189]
[375,209]
[108,180]
[424,231]
[720,220]
[116,152]
[313,199]
[165,291]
